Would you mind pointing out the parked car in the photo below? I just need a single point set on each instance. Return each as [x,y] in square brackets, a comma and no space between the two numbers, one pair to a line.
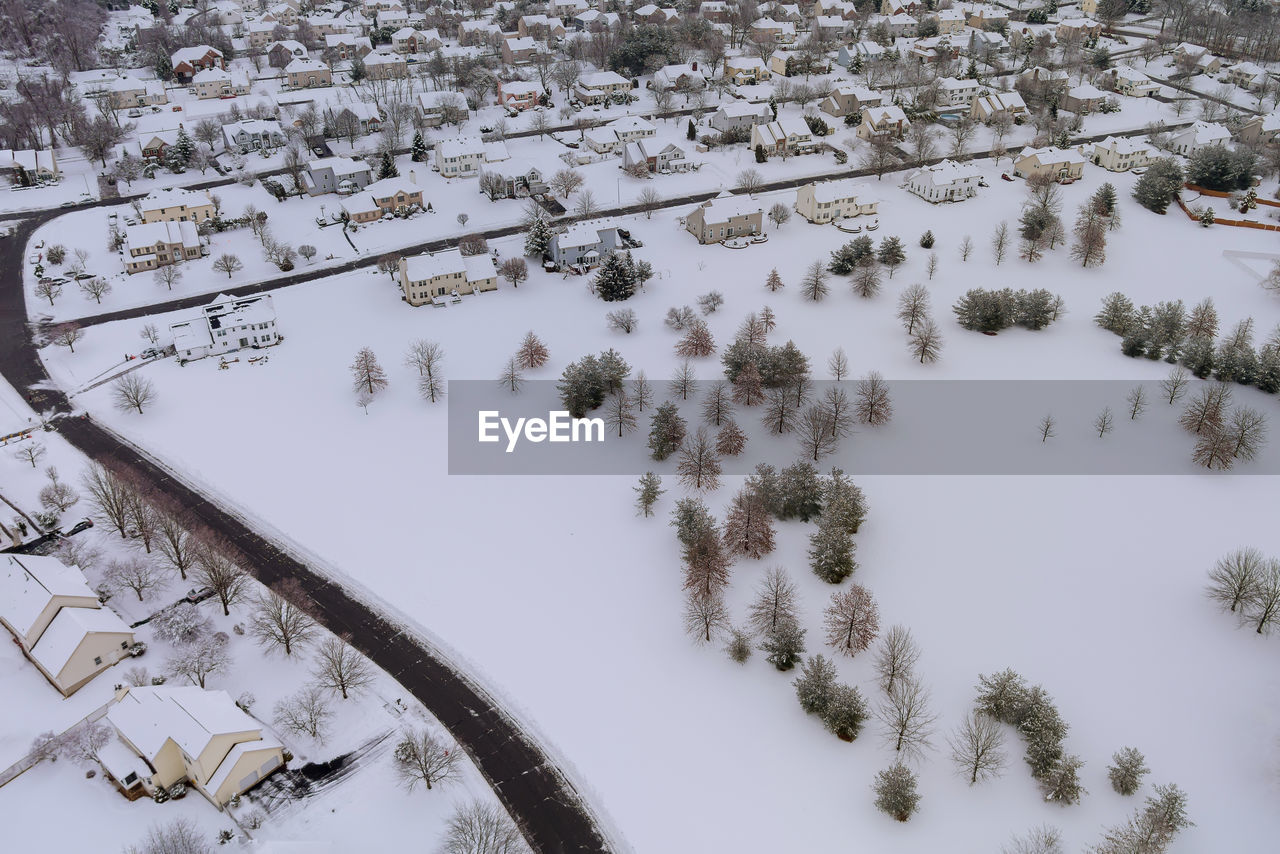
[80,277]
[1004,176]
[152,353]
[67,204]
[82,525]
[196,595]
[982,182]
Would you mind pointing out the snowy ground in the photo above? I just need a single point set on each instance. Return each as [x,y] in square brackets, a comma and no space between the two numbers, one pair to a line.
[570,607]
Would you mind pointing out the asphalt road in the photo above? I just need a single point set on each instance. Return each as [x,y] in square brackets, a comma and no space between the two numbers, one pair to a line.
[535,792]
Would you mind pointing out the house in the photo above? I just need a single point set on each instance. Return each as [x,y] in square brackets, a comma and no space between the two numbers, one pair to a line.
[828,201]
[408,40]
[459,157]
[1247,75]
[631,128]
[157,244]
[830,26]
[683,77]
[518,51]
[283,52]
[392,19]
[953,92]
[253,135]
[131,93]
[1264,130]
[847,99]
[716,11]
[41,165]
[901,26]
[745,70]
[1198,135]
[58,622]
[177,205]
[740,114]
[985,107]
[947,181]
[216,83]
[342,175]
[1202,60]
[540,27]
[583,245]
[769,31]
[987,17]
[601,140]
[850,56]
[656,156]
[477,32]
[1083,99]
[1089,7]
[934,49]
[599,87]
[787,135]
[986,43]
[152,146]
[1119,154]
[592,19]
[225,325]
[353,116]
[950,21]
[657,15]
[425,277]
[1131,82]
[440,106]
[308,73]
[343,46]
[883,121]
[259,34]
[1042,80]
[385,66]
[725,216]
[519,180]
[1079,29]
[1055,163]
[381,198]
[518,94]
[187,734]
[901,7]
[567,8]
[186,61]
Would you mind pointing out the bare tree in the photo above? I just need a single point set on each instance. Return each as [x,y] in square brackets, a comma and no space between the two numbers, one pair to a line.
[814,285]
[1175,384]
[174,544]
[699,466]
[532,352]
[682,381]
[619,413]
[866,277]
[1038,840]
[1000,242]
[1046,428]
[775,602]
[305,713]
[623,320]
[926,343]
[873,405]
[1104,422]
[366,372]
[896,657]
[1264,603]
[1206,412]
[1246,433]
[168,275]
[83,742]
[586,207]
[1137,400]
[717,405]
[907,719]
[133,391]
[30,452]
[512,378]
[705,617]
[277,622]
[977,747]
[931,267]
[150,333]
[838,364]
[649,200]
[228,263]
[109,496]
[57,495]
[216,569]
[180,836]
[818,433]
[749,181]
[48,289]
[95,288]
[425,757]
[851,620]
[1234,580]
[482,828]
[566,182]
[133,573]
[341,669]
[514,270]
[199,660]
[180,624]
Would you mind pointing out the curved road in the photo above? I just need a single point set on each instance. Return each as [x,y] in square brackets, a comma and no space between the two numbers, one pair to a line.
[535,792]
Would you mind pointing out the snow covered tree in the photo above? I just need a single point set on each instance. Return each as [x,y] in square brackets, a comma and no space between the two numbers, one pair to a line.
[424,757]
[783,644]
[1000,242]
[891,254]
[906,718]
[866,277]
[730,441]
[199,660]
[418,148]
[977,747]
[180,624]
[709,302]
[773,282]
[845,712]
[532,353]
[648,492]
[305,712]
[896,792]
[748,388]
[482,828]
[538,238]
[1061,784]
[1038,840]
[799,492]
[387,167]
[706,571]
[1206,413]
[926,343]
[831,551]
[623,320]
[815,683]
[135,574]
[278,622]
[739,646]
[341,669]
[747,528]
[699,466]
[667,431]
[852,620]
[367,373]
[697,341]
[1117,315]
[1234,580]
[1128,767]
[896,657]
[1203,321]
[581,386]
[913,306]
[873,405]
[180,836]
[1153,828]
[1090,247]
[1156,188]
[774,602]
[215,568]
[616,278]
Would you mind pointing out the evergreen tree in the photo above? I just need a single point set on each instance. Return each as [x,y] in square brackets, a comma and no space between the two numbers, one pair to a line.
[846,258]
[1198,356]
[986,311]
[418,150]
[831,551]
[926,240]
[800,492]
[1062,783]
[891,254]
[760,155]
[387,167]
[692,132]
[766,487]
[1037,308]
[1268,378]
[667,431]
[896,793]
[774,281]
[538,238]
[784,645]
[582,386]
[1156,188]
[815,683]
[1104,200]
[1128,767]
[183,147]
[845,712]
[692,521]
[843,502]
[614,370]
[1117,313]
[647,492]
[616,279]
[739,646]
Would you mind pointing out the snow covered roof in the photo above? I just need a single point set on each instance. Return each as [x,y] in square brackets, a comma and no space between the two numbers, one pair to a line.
[174,197]
[631,124]
[1051,154]
[29,582]
[602,78]
[340,165]
[228,763]
[230,312]
[741,109]
[997,101]
[845,188]
[1205,133]
[525,43]
[211,75]
[745,63]
[459,146]
[579,234]
[305,65]
[944,174]
[888,113]
[724,208]
[512,87]
[478,267]
[1123,145]
[1086,91]
[953,84]
[422,268]
[68,630]
[148,234]
[148,716]
[191,54]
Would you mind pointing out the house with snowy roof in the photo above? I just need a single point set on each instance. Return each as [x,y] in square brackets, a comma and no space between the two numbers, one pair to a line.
[175,734]
[725,216]
[337,174]
[600,86]
[252,135]
[425,277]
[684,76]
[225,325]
[1196,136]
[883,121]
[217,83]
[1056,163]
[39,164]
[784,135]
[828,201]
[1083,99]
[847,98]
[58,622]
[661,157]
[745,70]
[1247,75]
[1119,154]
[955,92]
[1263,130]
[1132,82]
[186,61]
[736,114]
[130,93]
[583,245]
[150,245]
[307,74]
[398,195]
[177,204]
[987,106]
[947,181]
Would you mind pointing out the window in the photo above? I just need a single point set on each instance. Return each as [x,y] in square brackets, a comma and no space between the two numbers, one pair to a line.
[97,659]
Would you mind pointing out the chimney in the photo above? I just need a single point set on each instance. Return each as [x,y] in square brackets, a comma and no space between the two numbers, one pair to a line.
[413,177]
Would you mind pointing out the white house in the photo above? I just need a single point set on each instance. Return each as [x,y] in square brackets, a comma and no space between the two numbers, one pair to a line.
[955,93]
[656,156]
[740,114]
[947,181]
[252,135]
[828,201]
[225,325]
[789,134]
[459,156]
[1119,154]
[150,245]
[1199,135]
[425,277]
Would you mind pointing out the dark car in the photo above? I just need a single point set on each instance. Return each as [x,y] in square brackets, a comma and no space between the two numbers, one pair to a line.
[82,525]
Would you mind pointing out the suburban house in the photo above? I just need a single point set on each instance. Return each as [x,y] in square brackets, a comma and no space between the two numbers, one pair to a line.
[259,34]
[787,135]
[440,105]
[769,31]
[1131,82]
[171,734]
[651,14]
[518,51]
[1199,135]
[1042,80]
[883,121]
[1204,61]
[863,51]
[740,114]
[343,46]
[459,157]
[283,52]
[1080,29]
[745,70]
[725,216]
[226,324]
[1261,129]
[1119,154]
[253,135]
[656,156]
[177,205]
[953,92]
[583,245]
[600,87]
[409,40]
[612,137]
[188,60]
[41,165]
[425,277]
[986,43]
[58,622]
[1056,163]
[947,181]
[567,8]
[477,32]
[1247,75]
[950,21]
[518,94]
[385,66]
[131,93]
[155,244]
[1083,99]
[216,83]
[984,108]
[342,175]
[307,73]
[355,115]
[987,17]
[540,27]
[683,77]
[901,26]
[828,201]
[520,179]
[388,196]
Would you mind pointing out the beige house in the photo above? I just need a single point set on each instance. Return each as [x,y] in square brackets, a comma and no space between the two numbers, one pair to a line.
[1083,99]
[1261,129]
[883,121]
[985,107]
[1057,163]
[1131,82]
[156,244]
[177,205]
[306,73]
[745,70]
[599,87]
[58,622]
[131,93]
[385,66]
[187,734]
[790,135]
[424,278]
[827,201]
[216,83]
[1120,154]
[725,216]
[390,195]
[847,98]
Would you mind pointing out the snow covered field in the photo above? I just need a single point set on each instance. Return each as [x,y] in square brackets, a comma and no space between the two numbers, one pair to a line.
[571,607]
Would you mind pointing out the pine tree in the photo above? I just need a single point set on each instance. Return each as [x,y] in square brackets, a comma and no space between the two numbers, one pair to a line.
[1104,200]
[647,492]
[1157,187]
[538,238]
[667,431]
[843,502]
[418,150]
[616,279]
[1127,769]
[845,713]
[582,386]
[1117,313]
[1203,320]
[774,281]
[387,167]
[784,645]
[800,492]
[730,440]
[831,551]
[1198,356]
[891,254]
[927,239]
[183,147]
[747,528]
[1062,784]
[692,132]
[896,793]
[815,683]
